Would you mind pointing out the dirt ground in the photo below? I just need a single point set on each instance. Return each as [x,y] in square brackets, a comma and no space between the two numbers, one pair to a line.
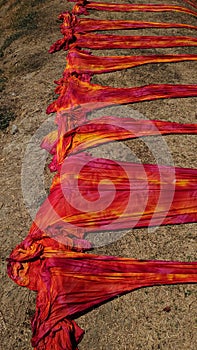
[149,319]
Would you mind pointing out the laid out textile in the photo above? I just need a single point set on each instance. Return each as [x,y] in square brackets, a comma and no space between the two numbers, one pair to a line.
[83,6]
[70,283]
[130,195]
[102,130]
[83,62]
[75,34]
[74,92]
[192,3]
[102,41]
[92,195]
[71,24]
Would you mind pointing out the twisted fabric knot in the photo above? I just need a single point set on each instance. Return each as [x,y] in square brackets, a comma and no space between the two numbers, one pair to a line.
[67,29]
[18,272]
[19,264]
[69,24]
[69,20]
[80,8]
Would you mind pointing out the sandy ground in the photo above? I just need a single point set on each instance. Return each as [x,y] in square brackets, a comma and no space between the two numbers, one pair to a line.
[149,319]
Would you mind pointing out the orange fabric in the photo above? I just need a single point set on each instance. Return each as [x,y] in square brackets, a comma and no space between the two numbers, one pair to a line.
[91,194]
[82,62]
[130,195]
[82,7]
[69,284]
[75,93]
[103,130]
[192,3]
[72,28]
[101,41]
[84,25]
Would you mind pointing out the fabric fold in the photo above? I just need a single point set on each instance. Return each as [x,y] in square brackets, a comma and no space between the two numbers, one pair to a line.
[75,93]
[83,62]
[93,195]
[102,41]
[85,25]
[82,7]
[69,284]
[108,128]
[96,194]
[191,3]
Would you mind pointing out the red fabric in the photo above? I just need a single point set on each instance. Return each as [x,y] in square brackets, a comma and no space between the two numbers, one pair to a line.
[130,195]
[73,24]
[103,130]
[91,194]
[101,41]
[72,27]
[82,7]
[86,96]
[69,284]
[82,62]
[192,3]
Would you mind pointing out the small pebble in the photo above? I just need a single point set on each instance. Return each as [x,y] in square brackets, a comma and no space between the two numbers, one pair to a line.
[14,129]
[167,309]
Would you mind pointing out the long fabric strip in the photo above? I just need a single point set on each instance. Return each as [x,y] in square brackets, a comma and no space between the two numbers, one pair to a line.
[75,93]
[94,194]
[101,41]
[82,62]
[106,129]
[72,23]
[69,284]
[83,6]
[192,3]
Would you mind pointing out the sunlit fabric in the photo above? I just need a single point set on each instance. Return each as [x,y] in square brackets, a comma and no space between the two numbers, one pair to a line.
[102,41]
[75,92]
[72,27]
[94,195]
[82,7]
[192,3]
[83,25]
[82,62]
[106,129]
[69,284]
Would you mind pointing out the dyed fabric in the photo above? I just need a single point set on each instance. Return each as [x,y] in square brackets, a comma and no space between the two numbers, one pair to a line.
[73,24]
[106,129]
[101,41]
[99,131]
[83,6]
[70,283]
[94,194]
[192,3]
[75,34]
[82,62]
[75,92]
